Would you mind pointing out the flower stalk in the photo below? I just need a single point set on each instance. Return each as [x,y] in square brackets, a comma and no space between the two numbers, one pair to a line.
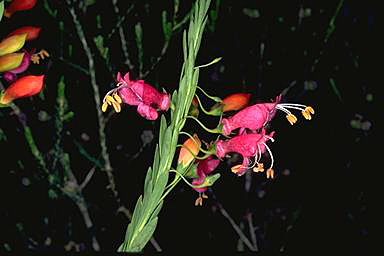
[144,219]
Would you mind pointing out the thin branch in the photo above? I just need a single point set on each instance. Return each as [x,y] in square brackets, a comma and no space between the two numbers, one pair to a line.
[235,227]
[121,33]
[87,178]
[100,118]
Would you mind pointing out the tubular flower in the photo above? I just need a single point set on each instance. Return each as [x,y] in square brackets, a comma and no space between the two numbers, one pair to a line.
[137,93]
[256,116]
[11,61]
[204,168]
[236,101]
[12,43]
[32,32]
[233,102]
[10,76]
[19,5]
[23,87]
[248,145]
[190,149]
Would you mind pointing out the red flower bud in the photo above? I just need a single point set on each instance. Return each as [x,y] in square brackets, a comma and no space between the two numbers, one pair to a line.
[19,5]
[24,87]
[32,32]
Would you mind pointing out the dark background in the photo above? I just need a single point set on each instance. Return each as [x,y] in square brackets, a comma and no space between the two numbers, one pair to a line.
[319,198]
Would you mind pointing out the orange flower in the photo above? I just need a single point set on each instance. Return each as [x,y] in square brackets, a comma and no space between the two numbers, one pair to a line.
[235,101]
[24,87]
[32,32]
[19,5]
[12,43]
[10,61]
[185,156]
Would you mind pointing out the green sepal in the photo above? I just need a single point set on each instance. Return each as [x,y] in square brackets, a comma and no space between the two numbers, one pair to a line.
[192,171]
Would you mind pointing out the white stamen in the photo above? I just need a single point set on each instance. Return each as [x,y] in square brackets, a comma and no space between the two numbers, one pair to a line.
[270,154]
[283,109]
[293,107]
[270,138]
[292,104]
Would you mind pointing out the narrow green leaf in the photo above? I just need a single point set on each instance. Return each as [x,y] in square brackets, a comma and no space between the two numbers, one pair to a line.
[148,182]
[144,236]
[163,126]
[156,162]
[334,88]
[137,213]
[1,9]
[157,210]
[165,147]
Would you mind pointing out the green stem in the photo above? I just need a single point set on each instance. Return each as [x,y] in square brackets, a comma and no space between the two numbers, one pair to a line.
[194,141]
[215,130]
[201,106]
[216,99]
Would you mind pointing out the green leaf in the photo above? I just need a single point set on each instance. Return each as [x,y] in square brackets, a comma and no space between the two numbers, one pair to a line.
[156,162]
[163,126]
[1,9]
[137,214]
[148,183]
[147,232]
[165,147]
[157,210]
[334,88]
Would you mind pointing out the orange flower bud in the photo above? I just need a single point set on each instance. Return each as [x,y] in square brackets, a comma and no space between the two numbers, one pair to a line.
[235,101]
[23,87]
[19,5]
[185,156]
[32,32]
[12,43]
[10,61]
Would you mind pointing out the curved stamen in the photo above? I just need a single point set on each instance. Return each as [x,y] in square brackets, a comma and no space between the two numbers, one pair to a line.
[292,104]
[293,107]
[270,154]
[283,109]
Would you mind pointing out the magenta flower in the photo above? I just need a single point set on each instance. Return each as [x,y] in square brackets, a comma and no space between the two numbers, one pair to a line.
[204,168]
[256,116]
[248,145]
[11,76]
[137,93]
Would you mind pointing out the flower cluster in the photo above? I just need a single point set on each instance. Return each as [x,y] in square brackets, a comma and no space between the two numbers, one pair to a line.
[15,60]
[245,131]
[251,139]
[137,93]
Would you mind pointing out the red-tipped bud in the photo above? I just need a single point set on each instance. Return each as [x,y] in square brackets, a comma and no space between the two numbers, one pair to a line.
[19,5]
[10,61]
[12,44]
[24,87]
[32,32]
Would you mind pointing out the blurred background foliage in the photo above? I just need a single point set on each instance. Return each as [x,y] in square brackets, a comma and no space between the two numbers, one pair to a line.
[317,53]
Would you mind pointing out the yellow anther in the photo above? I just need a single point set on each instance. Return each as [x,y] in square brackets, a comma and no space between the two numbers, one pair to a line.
[306,115]
[104,106]
[43,53]
[309,110]
[270,173]
[116,106]
[199,201]
[235,169]
[291,119]
[109,99]
[259,168]
[117,98]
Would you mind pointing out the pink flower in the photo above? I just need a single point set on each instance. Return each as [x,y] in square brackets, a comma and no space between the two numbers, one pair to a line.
[248,145]
[137,93]
[256,116]
[204,168]
[10,76]
[252,117]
